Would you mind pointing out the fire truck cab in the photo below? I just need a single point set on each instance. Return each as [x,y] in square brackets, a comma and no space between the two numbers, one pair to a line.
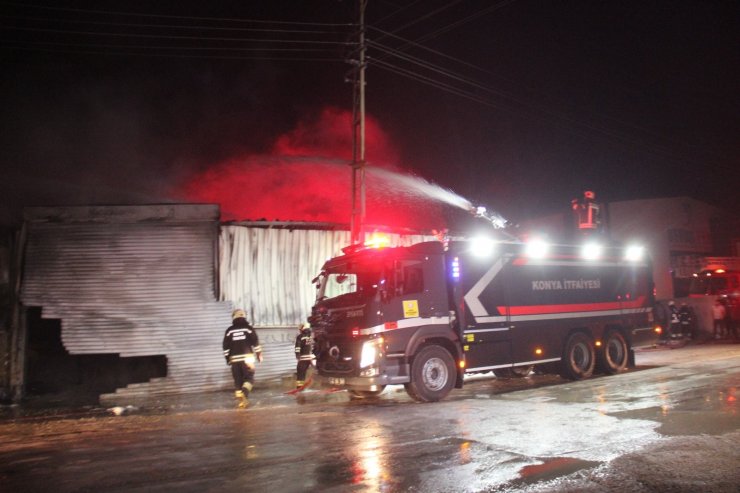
[426,315]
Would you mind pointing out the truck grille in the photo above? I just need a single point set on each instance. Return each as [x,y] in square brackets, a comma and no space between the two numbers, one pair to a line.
[331,366]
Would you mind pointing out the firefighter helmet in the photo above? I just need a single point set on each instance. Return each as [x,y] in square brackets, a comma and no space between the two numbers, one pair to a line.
[238,313]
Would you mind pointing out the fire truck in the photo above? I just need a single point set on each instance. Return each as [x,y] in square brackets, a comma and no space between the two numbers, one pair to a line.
[716,279]
[428,314]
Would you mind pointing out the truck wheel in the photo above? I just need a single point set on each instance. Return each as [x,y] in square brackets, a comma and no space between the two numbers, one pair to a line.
[432,374]
[614,356]
[514,372]
[578,357]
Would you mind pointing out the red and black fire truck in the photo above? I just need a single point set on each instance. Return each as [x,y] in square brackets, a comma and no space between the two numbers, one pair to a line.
[428,314]
[716,280]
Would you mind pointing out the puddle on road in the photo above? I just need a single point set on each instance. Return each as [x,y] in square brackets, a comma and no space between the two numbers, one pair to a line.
[681,423]
[551,469]
[714,413]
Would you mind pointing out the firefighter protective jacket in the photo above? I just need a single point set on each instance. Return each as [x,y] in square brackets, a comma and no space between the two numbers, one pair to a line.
[240,341]
[304,346]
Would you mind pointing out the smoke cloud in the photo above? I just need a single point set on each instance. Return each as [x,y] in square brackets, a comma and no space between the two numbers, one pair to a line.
[307,177]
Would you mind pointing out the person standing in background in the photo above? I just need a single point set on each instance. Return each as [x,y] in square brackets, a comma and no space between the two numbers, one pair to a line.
[719,313]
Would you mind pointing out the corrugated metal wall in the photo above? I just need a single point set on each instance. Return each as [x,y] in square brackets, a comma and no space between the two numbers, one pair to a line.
[268,271]
[136,281]
[139,281]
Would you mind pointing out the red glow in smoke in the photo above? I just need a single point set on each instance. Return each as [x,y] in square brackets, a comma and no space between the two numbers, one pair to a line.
[307,177]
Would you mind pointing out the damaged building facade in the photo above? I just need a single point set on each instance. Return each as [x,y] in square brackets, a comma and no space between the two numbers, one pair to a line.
[131,302]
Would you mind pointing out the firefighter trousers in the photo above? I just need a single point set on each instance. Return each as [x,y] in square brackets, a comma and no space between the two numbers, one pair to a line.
[301,370]
[243,376]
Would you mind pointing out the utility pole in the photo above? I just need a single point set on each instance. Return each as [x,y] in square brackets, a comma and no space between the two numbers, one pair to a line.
[357,224]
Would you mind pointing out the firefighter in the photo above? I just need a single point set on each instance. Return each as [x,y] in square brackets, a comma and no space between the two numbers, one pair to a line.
[686,317]
[303,354]
[675,322]
[241,346]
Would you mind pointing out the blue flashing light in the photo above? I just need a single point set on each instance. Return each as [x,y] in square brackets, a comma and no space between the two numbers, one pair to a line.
[456,268]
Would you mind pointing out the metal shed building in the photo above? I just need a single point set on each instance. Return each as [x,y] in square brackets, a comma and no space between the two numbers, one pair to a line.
[161,281]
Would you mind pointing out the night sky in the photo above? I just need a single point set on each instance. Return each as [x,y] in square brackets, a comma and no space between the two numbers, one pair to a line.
[518,105]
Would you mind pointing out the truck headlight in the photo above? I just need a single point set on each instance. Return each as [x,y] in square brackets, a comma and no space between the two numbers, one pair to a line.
[369,354]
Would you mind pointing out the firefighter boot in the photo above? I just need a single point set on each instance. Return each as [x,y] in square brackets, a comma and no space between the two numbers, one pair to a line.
[242,401]
[246,389]
[299,384]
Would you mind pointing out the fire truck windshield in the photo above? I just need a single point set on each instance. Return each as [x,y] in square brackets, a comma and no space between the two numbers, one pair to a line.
[350,281]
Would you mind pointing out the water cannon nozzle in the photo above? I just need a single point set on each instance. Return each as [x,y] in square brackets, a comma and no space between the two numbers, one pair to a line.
[496,220]
[499,222]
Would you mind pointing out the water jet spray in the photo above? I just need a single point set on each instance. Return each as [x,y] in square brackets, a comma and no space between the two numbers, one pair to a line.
[421,187]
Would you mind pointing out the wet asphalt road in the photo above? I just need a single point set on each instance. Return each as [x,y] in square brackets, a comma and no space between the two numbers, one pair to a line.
[670,425]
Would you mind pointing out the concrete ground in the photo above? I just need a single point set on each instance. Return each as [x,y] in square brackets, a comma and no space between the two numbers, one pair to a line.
[671,424]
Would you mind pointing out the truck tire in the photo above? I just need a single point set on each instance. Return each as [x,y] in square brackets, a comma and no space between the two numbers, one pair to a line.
[578,357]
[513,372]
[432,374]
[614,356]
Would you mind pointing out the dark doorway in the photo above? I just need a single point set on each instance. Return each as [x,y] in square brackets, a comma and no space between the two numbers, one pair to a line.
[52,371]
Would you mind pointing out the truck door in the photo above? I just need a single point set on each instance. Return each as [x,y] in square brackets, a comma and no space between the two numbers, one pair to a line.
[636,301]
[486,333]
[417,282]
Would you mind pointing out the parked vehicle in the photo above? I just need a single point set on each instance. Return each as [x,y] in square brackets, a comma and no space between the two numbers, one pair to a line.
[715,280]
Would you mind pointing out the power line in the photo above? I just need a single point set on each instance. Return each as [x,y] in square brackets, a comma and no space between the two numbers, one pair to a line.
[435,68]
[150,47]
[465,20]
[428,15]
[618,136]
[435,52]
[166,16]
[572,126]
[397,11]
[168,26]
[174,56]
[434,83]
[173,37]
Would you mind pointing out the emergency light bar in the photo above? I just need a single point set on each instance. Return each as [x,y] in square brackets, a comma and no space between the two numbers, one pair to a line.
[536,248]
[633,253]
[377,240]
[591,251]
[482,246]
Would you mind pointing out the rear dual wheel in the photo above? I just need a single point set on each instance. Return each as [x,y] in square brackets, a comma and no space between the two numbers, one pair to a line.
[614,356]
[579,358]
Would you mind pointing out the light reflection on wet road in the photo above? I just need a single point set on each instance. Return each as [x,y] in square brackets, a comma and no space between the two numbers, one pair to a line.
[490,436]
